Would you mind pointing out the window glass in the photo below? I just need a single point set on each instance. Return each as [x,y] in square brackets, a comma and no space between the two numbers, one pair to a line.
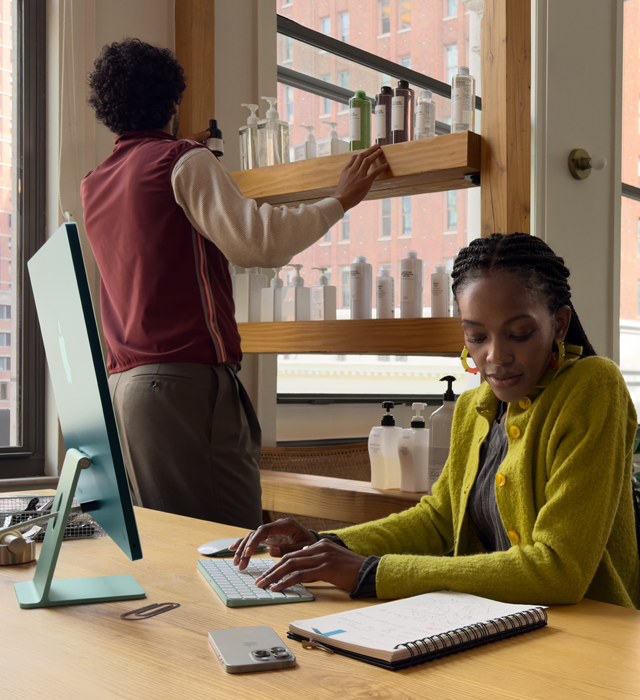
[405,14]
[344,26]
[451,61]
[346,227]
[289,104]
[385,218]
[325,25]
[288,48]
[451,8]
[385,17]
[452,210]
[406,216]
[406,61]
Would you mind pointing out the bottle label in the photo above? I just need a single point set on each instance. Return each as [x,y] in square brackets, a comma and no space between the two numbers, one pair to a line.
[421,118]
[407,285]
[397,114]
[299,151]
[375,441]
[324,148]
[317,303]
[356,282]
[354,124]
[216,145]
[462,103]
[381,121]
[437,459]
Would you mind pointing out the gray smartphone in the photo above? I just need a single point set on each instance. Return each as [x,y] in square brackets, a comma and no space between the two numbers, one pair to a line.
[246,649]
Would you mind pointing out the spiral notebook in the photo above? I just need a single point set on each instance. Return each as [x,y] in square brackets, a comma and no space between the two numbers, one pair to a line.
[414,630]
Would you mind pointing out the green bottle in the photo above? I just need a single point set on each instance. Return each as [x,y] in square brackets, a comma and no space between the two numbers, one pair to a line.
[359,121]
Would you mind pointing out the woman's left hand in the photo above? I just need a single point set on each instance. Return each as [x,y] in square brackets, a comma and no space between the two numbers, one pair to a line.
[322,561]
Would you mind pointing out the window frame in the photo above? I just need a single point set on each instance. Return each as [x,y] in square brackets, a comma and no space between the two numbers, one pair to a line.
[381,15]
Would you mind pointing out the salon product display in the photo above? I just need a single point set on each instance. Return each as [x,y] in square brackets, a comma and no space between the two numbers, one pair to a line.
[323,298]
[332,145]
[440,424]
[215,143]
[308,148]
[411,273]
[273,136]
[359,121]
[296,302]
[383,451]
[385,294]
[360,287]
[440,292]
[425,126]
[249,151]
[248,297]
[271,298]
[413,452]
[382,116]
[463,101]
[422,628]
[402,112]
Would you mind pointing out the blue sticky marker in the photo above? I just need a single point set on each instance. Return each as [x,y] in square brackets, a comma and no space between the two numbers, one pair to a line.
[328,634]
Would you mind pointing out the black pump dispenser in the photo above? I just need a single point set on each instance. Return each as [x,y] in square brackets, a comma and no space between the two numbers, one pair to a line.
[387,418]
[448,394]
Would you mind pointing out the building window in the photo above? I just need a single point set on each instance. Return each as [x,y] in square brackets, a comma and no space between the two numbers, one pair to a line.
[344,26]
[326,102]
[327,237]
[451,61]
[5,340]
[451,8]
[345,289]
[452,210]
[289,104]
[405,14]
[5,312]
[325,25]
[343,79]
[385,80]
[385,215]
[406,61]
[5,364]
[345,233]
[385,17]
[406,216]
[4,391]
[288,48]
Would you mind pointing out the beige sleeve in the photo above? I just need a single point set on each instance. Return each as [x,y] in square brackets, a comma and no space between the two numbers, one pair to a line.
[248,235]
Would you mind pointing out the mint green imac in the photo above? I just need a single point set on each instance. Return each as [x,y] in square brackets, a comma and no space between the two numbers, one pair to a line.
[94,468]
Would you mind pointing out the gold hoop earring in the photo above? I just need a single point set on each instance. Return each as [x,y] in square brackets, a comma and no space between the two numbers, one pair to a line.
[463,359]
[557,359]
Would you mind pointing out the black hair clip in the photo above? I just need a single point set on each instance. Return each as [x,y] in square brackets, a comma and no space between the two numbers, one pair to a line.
[149,611]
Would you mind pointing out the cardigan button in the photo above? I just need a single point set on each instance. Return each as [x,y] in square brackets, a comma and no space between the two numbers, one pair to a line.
[525,403]
[513,536]
[514,431]
[501,479]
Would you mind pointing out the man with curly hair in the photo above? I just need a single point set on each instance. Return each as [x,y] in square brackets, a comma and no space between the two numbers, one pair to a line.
[164,219]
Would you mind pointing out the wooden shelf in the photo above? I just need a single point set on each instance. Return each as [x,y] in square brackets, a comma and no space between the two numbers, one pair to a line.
[414,336]
[416,167]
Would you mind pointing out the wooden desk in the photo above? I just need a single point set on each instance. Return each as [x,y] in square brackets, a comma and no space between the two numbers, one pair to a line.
[590,650]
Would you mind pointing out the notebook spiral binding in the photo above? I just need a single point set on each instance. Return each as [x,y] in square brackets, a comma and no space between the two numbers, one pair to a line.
[474,635]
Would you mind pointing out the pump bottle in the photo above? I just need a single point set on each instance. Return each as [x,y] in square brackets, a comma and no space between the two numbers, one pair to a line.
[215,143]
[440,434]
[411,269]
[440,292]
[359,121]
[463,101]
[332,145]
[383,451]
[385,294]
[402,112]
[360,285]
[382,130]
[271,298]
[249,140]
[413,451]
[249,288]
[296,302]
[323,298]
[273,136]
[425,115]
[307,149]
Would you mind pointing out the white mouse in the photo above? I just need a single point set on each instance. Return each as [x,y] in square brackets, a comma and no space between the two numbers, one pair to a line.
[220,548]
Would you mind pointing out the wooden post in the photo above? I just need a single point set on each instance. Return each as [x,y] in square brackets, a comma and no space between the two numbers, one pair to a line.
[506,116]
[194,50]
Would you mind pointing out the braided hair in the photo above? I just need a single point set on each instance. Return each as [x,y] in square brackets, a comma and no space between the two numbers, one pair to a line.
[533,261]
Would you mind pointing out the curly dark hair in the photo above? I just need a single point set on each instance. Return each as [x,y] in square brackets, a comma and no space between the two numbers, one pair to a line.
[134,86]
[540,269]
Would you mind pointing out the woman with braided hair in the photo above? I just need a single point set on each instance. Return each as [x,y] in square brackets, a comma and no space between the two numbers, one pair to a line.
[534,504]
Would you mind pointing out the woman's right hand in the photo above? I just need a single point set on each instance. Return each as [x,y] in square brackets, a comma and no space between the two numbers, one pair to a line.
[283,536]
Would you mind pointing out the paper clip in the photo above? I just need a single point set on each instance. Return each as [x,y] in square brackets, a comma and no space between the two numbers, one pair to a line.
[149,611]
[311,644]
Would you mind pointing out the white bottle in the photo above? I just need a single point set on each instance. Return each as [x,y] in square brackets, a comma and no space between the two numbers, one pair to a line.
[323,298]
[385,294]
[425,115]
[271,297]
[411,269]
[296,304]
[249,288]
[307,149]
[249,150]
[440,292]
[413,451]
[463,101]
[332,145]
[383,451]
[273,136]
[440,434]
[360,284]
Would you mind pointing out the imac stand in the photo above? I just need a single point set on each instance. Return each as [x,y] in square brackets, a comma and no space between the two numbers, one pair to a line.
[43,591]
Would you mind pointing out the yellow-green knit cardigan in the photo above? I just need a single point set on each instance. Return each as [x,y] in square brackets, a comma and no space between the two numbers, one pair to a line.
[566,500]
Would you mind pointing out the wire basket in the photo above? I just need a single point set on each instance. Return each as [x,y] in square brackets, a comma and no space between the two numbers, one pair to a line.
[13,510]
[349,461]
